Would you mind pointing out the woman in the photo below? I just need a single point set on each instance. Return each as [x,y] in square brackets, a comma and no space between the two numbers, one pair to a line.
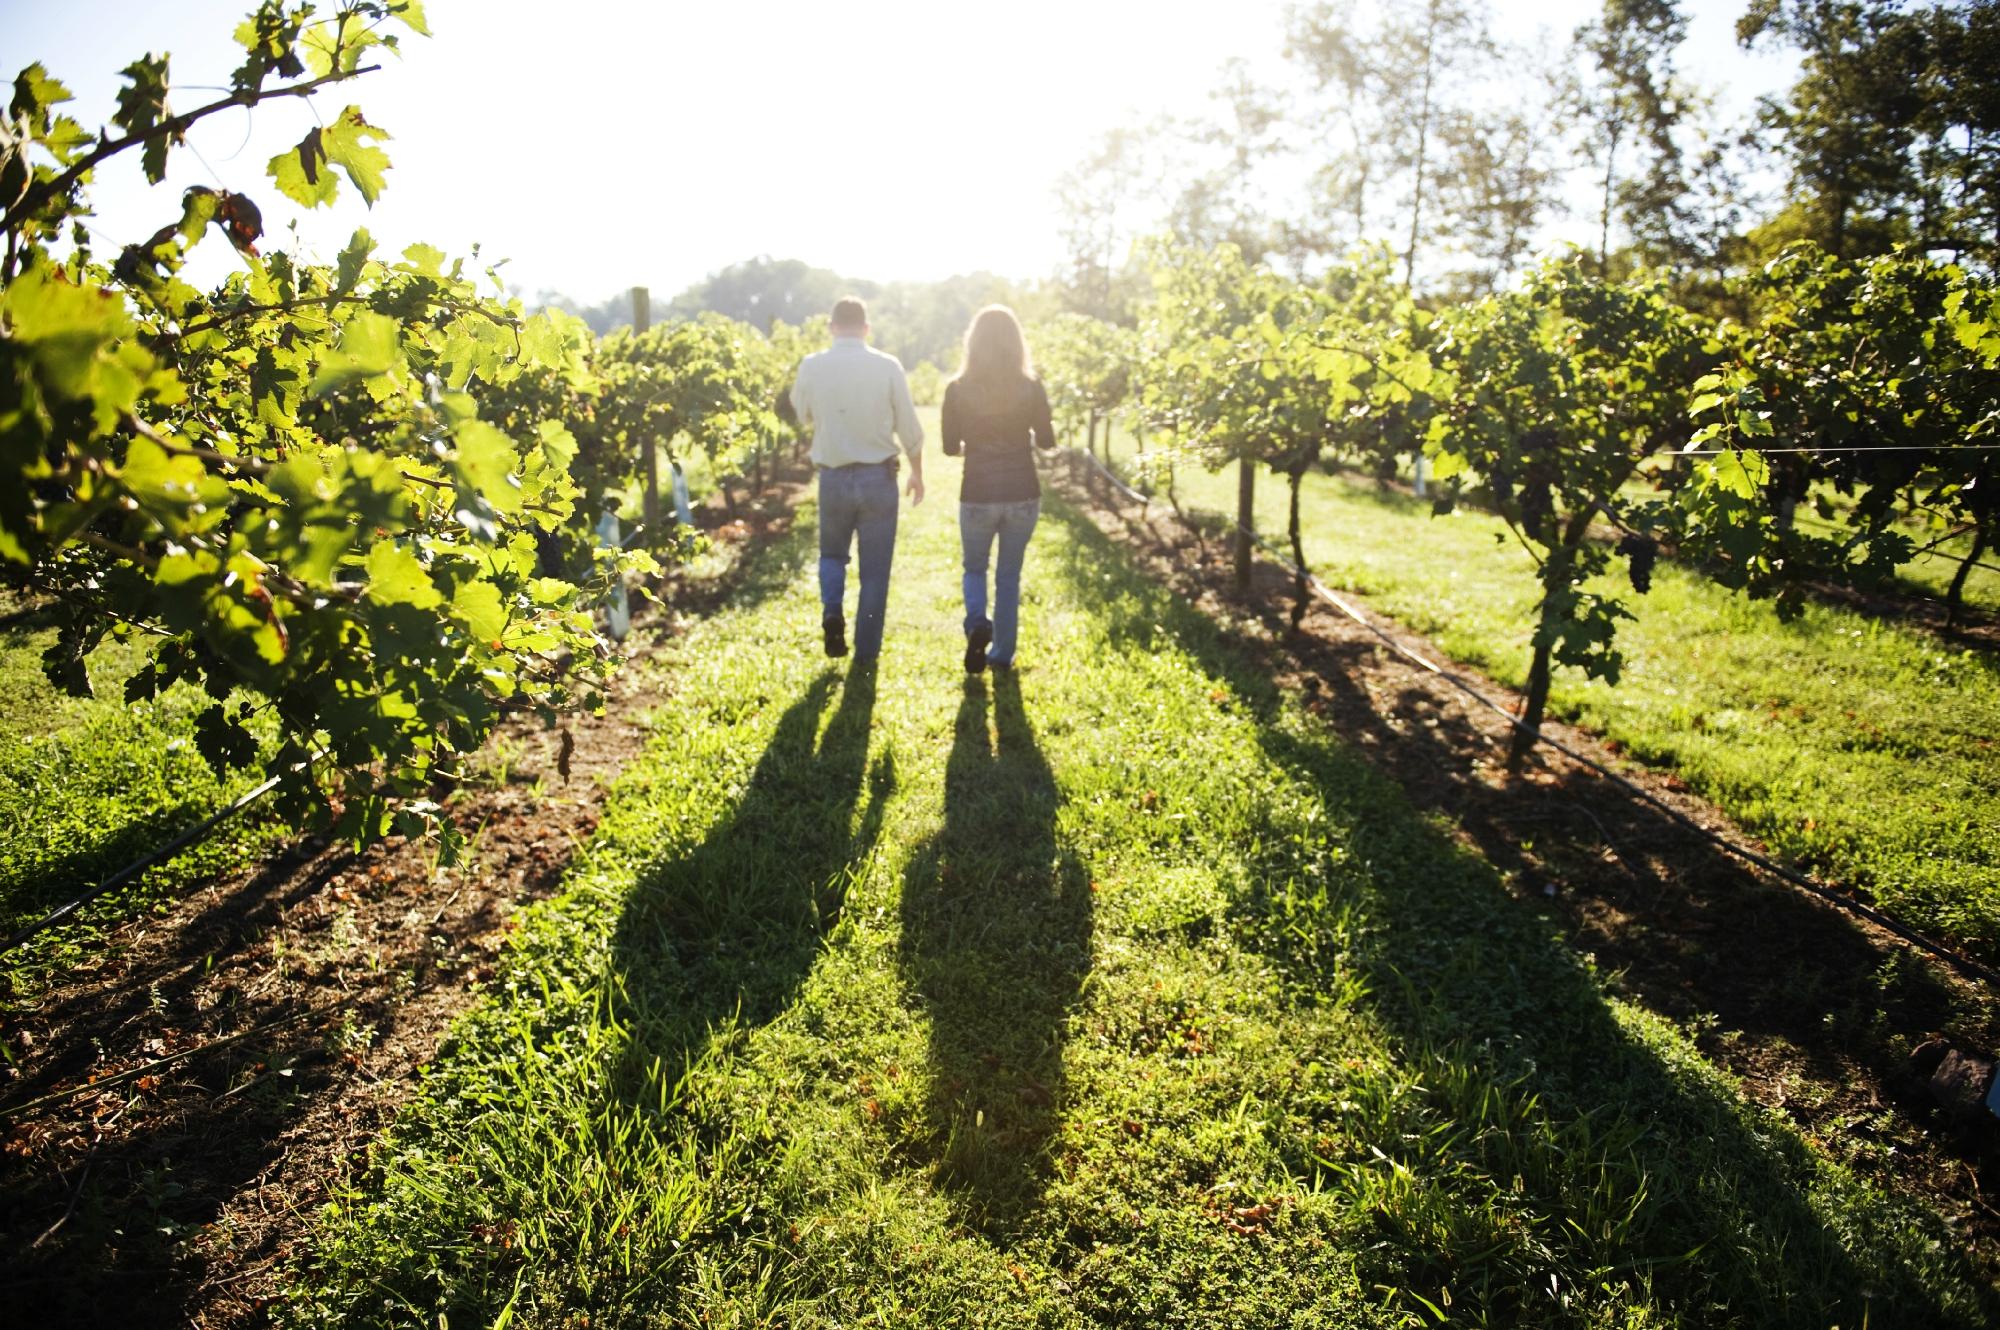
[994,412]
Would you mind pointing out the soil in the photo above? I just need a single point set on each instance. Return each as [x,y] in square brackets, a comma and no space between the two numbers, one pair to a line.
[1819,1014]
[221,1071]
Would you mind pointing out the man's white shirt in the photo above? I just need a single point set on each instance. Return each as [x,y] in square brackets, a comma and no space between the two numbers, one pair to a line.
[856,401]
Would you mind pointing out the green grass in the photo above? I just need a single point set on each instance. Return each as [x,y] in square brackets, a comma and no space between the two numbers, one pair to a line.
[86,786]
[1120,992]
[1861,748]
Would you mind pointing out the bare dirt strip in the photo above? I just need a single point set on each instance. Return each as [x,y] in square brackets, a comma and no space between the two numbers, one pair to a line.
[223,1068]
[1819,1014]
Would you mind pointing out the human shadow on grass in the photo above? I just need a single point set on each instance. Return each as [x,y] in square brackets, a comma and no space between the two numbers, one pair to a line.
[1539,1098]
[728,933]
[996,929]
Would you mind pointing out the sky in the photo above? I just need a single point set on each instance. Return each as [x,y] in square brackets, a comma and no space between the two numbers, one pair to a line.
[597,145]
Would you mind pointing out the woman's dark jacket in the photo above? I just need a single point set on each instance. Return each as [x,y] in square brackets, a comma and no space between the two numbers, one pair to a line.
[996,425]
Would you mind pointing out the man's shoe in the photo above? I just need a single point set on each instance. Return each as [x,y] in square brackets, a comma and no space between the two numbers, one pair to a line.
[976,643]
[835,628]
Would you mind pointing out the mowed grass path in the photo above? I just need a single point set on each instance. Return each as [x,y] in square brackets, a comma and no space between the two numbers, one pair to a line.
[1116,993]
[87,785]
[1868,750]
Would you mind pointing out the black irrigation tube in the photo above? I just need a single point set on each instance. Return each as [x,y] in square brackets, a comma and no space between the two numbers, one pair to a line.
[200,831]
[1964,964]
[145,1068]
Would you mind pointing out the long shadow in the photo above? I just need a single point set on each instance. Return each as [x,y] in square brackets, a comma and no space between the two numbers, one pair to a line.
[1682,923]
[729,932]
[1491,1007]
[996,940]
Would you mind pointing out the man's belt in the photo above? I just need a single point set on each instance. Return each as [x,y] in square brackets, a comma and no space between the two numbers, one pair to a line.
[852,466]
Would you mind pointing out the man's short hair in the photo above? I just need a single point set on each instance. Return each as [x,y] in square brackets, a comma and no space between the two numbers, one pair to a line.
[849,312]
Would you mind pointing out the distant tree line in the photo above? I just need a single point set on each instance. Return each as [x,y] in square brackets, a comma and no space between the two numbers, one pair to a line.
[919,322]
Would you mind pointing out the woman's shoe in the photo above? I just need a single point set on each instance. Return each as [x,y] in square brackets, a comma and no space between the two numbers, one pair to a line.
[976,643]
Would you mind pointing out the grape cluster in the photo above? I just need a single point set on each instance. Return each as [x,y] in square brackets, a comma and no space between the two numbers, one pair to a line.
[1642,551]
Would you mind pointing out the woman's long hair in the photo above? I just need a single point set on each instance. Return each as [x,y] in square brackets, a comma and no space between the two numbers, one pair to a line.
[996,351]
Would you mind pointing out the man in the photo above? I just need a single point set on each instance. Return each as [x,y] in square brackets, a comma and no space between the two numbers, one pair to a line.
[853,399]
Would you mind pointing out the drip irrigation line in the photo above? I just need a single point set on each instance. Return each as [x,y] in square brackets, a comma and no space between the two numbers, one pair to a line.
[200,831]
[1964,964]
[144,1068]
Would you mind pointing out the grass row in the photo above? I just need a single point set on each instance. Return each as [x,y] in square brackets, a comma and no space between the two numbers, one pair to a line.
[88,785]
[1115,992]
[1858,746]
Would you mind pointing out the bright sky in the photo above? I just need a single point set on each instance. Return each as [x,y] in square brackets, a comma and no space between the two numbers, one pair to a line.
[598,144]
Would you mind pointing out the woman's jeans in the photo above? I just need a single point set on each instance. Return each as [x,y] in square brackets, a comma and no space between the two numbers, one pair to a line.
[857,506]
[979,525]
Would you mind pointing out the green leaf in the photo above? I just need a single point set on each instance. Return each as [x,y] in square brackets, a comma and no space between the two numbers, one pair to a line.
[347,146]
[142,104]
[302,173]
[370,345]
[476,602]
[424,260]
[223,741]
[1740,473]
[336,44]
[79,344]
[353,261]
[1446,464]
[167,485]
[35,92]
[411,12]
[397,577]
[485,461]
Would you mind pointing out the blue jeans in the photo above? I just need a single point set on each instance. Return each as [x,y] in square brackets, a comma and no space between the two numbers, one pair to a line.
[979,524]
[857,506]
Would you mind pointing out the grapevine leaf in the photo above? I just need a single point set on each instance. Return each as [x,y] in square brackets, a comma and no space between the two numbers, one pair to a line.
[35,92]
[353,262]
[78,345]
[142,104]
[300,173]
[336,45]
[370,346]
[224,741]
[397,577]
[485,463]
[476,602]
[346,145]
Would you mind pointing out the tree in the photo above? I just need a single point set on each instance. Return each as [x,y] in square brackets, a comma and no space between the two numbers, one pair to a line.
[1499,191]
[1848,127]
[1222,201]
[1095,201]
[1425,56]
[1629,102]
[1326,41]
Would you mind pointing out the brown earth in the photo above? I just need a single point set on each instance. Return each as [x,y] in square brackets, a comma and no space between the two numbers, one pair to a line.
[1815,1011]
[220,1072]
